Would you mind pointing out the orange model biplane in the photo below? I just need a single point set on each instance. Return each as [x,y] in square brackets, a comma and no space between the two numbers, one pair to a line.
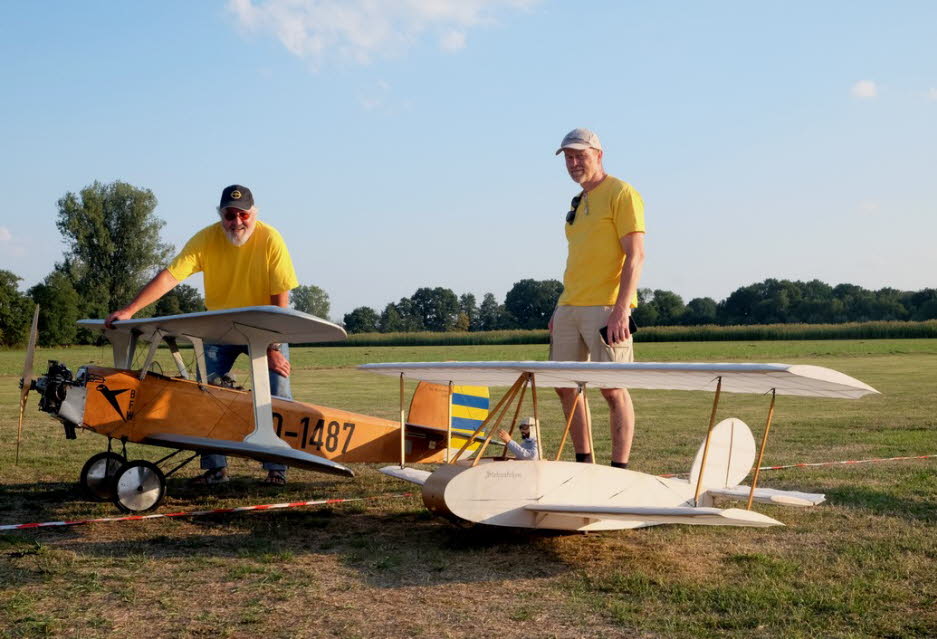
[140,406]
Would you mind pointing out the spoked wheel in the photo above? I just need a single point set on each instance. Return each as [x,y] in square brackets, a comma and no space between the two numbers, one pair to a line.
[97,475]
[139,486]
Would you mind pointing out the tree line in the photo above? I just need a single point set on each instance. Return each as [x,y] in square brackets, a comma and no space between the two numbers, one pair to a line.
[530,303]
[113,247]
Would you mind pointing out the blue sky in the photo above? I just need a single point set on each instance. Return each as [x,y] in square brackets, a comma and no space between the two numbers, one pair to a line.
[401,144]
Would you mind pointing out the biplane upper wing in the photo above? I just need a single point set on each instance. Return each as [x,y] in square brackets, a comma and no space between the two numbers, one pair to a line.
[225,326]
[785,379]
[671,515]
[280,455]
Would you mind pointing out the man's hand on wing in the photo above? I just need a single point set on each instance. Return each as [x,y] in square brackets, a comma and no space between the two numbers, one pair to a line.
[277,363]
[116,316]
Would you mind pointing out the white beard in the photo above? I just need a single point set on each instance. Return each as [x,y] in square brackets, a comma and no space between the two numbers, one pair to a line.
[239,238]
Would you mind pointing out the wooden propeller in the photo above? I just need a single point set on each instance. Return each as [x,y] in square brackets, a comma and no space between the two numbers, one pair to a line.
[27,378]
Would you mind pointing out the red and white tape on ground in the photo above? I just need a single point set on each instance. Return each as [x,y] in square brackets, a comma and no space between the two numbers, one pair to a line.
[197,513]
[321,502]
[832,463]
[851,461]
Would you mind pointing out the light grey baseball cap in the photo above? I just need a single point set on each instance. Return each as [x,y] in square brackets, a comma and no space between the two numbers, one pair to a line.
[580,139]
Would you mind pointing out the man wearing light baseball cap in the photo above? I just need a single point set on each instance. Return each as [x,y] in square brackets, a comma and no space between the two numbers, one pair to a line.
[592,320]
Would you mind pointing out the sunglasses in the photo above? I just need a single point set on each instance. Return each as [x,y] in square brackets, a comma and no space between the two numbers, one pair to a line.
[573,205]
[231,215]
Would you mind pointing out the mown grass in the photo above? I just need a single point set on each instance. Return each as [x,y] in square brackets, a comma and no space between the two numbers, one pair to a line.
[860,565]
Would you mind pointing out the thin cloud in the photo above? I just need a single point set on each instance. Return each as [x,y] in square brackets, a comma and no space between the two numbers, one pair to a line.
[869,208]
[376,97]
[932,95]
[864,90]
[5,235]
[362,30]
[452,41]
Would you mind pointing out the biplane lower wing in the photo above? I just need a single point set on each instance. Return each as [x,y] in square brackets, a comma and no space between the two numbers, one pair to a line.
[411,475]
[282,455]
[674,515]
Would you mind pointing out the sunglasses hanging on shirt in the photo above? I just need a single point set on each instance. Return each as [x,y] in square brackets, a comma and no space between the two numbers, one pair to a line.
[574,205]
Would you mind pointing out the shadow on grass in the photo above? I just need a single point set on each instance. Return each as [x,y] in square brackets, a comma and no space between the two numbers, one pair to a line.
[388,543]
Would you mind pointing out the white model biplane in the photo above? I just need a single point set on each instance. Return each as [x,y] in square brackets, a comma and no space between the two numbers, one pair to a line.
[130,403]
[561,495]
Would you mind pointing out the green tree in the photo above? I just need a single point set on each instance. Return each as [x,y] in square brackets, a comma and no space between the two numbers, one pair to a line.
[390,320]
[401,317]
[645,314]
[180,300]
[490,314]
[669,306]
[437,308]
[923,305]
[113,244]
[469,308]
[15,311]
[699,311]
[59,307]
[531,302]
[363,319]
[310,299]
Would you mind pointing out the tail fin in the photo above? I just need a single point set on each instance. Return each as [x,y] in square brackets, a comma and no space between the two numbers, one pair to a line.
[430,406]
[730,458]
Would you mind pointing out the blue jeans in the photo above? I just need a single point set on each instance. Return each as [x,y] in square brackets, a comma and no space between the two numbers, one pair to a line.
[219,360]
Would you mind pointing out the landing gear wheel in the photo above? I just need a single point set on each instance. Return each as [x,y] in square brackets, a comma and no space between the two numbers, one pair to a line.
[97,475]
[139,486]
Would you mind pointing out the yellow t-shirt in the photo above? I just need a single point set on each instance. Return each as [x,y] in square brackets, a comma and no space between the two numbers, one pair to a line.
[606,214]
[237,276]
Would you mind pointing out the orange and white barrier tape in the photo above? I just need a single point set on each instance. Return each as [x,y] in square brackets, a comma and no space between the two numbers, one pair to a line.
[198,513]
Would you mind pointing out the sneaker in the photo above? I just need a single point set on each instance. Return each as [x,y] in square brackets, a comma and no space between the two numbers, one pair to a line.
[211,476]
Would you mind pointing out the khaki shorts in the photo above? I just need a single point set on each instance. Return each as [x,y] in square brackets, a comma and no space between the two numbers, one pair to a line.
[575,336]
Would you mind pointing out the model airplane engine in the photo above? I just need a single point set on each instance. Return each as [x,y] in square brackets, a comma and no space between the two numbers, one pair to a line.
[53,388]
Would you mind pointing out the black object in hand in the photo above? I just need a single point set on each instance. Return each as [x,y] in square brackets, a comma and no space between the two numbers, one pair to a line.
[632,328]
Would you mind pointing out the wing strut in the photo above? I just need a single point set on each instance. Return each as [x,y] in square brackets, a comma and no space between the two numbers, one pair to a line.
[569,422]
[761,452]
[709,434]
[257,342]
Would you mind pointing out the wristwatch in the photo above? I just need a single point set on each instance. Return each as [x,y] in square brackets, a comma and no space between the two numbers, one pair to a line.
[275,346]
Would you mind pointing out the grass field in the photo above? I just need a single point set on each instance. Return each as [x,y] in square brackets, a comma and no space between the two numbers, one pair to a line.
[860,565]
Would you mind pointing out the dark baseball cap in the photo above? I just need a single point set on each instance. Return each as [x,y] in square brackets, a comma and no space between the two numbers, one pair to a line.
[237,197]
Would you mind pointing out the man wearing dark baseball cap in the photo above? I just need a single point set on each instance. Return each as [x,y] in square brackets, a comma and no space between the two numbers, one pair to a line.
[592,321]
[236,197]
[245,263]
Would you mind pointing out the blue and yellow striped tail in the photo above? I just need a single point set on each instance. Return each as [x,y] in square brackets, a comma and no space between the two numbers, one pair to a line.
[429,407]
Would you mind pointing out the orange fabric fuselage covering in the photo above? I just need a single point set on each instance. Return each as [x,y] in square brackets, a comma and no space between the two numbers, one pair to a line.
[120,405]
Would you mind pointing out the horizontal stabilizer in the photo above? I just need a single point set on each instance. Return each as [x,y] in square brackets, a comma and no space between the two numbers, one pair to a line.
[282,455]
[771,496]
[674,515]
[411,475]
[437,432]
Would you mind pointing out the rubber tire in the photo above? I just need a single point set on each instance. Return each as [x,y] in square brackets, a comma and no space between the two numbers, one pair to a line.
[95,487]
[139,487]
